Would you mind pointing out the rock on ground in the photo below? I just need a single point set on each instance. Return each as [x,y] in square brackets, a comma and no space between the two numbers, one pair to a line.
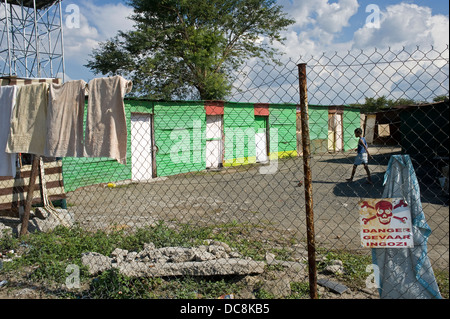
[205,260]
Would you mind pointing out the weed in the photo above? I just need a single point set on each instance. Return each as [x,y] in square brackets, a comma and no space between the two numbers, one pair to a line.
[354,266]
[300,290]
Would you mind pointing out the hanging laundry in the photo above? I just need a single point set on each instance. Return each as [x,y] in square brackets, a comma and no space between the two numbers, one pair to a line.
[29,120]
[7,102]
[106,127]
[65,117]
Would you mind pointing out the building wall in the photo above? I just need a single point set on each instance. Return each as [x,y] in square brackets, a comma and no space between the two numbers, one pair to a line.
[239,129]
[351,121]
[425,132]
[318,128]
[180,137]
[283,118]
[179,133]
[80,172]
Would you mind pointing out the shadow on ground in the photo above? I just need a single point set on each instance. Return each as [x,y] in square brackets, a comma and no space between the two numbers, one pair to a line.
[427,175]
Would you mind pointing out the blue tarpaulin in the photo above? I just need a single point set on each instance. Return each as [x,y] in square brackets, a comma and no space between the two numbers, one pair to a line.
[406,273]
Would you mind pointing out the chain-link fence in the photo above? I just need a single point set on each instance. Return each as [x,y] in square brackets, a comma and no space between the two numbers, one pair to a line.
[214,198]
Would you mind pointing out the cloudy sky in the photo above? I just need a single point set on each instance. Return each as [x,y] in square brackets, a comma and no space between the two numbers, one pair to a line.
[321,26]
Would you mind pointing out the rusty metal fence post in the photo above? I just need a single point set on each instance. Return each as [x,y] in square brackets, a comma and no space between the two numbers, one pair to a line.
[308,181]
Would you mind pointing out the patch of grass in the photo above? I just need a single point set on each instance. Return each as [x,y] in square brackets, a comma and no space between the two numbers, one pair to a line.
[282,254]
[354,266]
[163,236]
[263,294]
[8,242]
[45,257]
[300,290]
[443,282]
[113,285]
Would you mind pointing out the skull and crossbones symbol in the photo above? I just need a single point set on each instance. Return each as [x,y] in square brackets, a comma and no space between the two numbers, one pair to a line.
[384,212]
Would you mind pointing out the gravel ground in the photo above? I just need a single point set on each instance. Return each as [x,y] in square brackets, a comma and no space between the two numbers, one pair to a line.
[274,203]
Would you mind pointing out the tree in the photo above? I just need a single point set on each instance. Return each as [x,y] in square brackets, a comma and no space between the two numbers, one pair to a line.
[372,104]
[177,45]
[441,98]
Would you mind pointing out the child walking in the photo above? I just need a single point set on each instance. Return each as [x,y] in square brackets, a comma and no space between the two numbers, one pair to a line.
[362,156]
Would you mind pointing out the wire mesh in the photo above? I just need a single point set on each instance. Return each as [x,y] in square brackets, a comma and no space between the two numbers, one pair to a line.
[211,201]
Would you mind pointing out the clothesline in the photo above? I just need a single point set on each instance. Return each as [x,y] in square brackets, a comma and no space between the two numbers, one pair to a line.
[47,119]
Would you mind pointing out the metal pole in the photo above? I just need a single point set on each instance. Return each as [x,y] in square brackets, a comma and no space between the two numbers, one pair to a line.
[62,42]
[8,37]
[308,182]
[36,37]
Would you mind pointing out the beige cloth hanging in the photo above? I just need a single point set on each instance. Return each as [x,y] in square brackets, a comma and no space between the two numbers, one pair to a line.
[28,127]
[106,127]
[65,117]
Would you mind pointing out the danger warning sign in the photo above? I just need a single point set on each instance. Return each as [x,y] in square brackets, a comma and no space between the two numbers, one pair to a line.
[385,223]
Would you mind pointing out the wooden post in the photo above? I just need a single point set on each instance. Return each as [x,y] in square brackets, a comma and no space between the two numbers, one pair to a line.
[308,182]
[31,187]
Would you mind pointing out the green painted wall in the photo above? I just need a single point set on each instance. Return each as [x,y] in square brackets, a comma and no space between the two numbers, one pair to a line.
[318,122]
[283,118]
[180,135]
[351,121]
[260,123]
[239,131]
[79,172]
[181,145]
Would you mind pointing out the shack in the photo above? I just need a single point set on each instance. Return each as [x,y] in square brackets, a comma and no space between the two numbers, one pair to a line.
[170,138]
[424,133]
[421,130]
[331,128]
[383,127]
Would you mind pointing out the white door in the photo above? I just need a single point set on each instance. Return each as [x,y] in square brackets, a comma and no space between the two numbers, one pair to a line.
[141,147]
[335,134]
[339,133]
[261,147]
[261,139]
[213,141]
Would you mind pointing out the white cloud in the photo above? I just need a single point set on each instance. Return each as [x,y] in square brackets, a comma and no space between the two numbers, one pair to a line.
[108,19]
[300,11]
[79,41]
[318,24]
[97,23]
[316,38]
[403,25]
[333,17]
